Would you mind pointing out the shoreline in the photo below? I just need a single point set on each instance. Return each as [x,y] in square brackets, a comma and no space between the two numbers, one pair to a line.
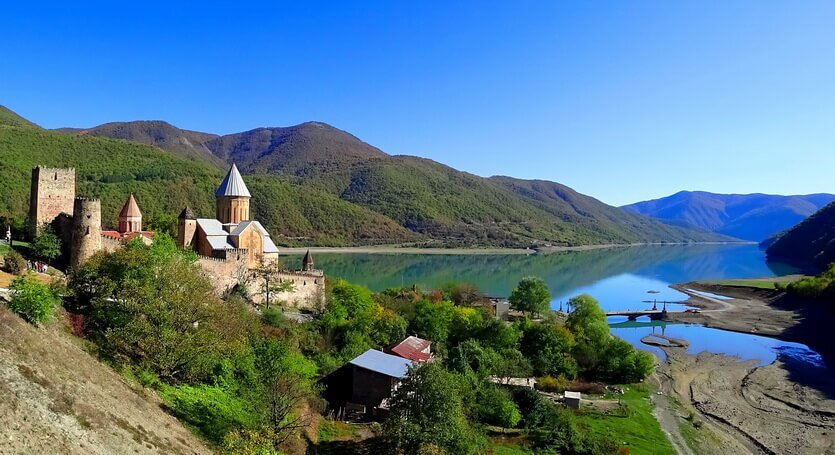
[719,401]
[395,249]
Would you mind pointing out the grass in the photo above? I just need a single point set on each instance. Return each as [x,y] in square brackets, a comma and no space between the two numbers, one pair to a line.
[331,430]
[758,283]
[638,429]
[508,448]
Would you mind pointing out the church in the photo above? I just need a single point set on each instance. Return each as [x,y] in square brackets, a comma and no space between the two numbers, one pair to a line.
[232,246]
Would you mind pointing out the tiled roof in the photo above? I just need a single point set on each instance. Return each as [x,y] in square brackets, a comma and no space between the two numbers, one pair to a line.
[131,208]
[413,348]
[233,184]
[380,362]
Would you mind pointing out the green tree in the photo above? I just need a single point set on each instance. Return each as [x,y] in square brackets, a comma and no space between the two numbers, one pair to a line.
[495,407]
[46,245]
[32,300]
[548,345]
[531,296]
[433,321]
[427,410]
[269,281]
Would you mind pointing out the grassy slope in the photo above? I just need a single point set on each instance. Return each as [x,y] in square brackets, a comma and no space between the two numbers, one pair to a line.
[57,398]
[639,430]
[9,118]
[164,184]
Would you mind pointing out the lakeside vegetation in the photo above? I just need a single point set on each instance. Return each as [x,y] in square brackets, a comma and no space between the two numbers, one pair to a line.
[820,287]
[248,382]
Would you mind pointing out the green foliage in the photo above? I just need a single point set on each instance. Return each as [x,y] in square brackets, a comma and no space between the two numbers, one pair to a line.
[152,306]
[32,300]
[548,345]
[249,442]
[560,433]
[819,287]
[427,410]
[211,410]
[46,245]
[532,406]
[552,384]
[495,407]
[14,263]
[433,320]
[810,242]
[273,317]
[531,296]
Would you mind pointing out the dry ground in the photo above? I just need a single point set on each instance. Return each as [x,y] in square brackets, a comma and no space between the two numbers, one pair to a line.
[57,398]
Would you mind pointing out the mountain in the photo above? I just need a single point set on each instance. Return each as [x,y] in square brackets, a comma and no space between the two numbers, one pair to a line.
[184,143]
[10,118]
[753,217]
[810,242]
[315,184]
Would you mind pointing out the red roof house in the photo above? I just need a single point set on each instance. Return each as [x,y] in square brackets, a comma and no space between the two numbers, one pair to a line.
[413,348]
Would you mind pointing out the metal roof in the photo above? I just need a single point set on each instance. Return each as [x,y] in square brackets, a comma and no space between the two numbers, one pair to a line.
[413,348]
[233,184]
[211,227]
[380,362]
[572,395]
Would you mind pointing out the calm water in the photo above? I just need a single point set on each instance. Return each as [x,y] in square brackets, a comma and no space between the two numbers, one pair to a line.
[620,278]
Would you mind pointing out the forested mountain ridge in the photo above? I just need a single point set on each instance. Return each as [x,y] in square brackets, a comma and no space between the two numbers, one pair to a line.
[811,242]
[753,217]
[315,184]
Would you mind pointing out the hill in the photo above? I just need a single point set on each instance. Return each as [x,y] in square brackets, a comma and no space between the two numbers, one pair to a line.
[184,143]
[810,242]
[316,184]
[753,217]
[165,183]
[57,398]
[10,118]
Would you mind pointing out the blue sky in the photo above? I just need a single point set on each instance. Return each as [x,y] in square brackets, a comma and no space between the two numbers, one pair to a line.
[622,100]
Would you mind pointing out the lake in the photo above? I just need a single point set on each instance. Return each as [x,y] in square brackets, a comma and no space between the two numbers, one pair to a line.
[620,278]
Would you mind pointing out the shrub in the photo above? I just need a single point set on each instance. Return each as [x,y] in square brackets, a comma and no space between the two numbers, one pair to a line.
[552,384]
[14,263]
[32,300]
[273,317]
[211,410]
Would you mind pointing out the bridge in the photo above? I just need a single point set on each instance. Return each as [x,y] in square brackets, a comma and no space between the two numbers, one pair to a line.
[654,315]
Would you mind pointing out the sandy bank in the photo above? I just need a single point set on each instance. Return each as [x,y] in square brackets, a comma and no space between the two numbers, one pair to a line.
[740,408]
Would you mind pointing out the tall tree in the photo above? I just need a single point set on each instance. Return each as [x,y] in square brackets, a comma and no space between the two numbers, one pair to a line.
[531,296]
[46,245]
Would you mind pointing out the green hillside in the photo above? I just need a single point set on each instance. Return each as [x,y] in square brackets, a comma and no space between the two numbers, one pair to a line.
[164,184]
[9,118]
[812,242]
[316,184]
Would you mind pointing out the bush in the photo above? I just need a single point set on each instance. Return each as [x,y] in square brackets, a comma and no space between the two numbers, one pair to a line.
[273,317]
[211,410]
[552,384]
[32,300]
[14,263]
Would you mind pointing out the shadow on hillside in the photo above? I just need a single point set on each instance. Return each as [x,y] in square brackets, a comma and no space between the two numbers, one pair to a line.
[815,330]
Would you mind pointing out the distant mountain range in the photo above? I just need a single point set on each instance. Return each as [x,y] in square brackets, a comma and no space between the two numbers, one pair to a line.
[754,217]
[315,184]
[812,242]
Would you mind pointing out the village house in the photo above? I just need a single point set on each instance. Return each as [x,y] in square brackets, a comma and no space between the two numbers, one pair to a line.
[365,384]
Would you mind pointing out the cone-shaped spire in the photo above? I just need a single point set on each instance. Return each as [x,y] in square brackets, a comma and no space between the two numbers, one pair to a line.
[187,214]
[233,184]
[131,208]
[307,262]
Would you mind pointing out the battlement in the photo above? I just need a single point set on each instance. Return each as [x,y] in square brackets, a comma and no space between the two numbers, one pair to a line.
[52,193]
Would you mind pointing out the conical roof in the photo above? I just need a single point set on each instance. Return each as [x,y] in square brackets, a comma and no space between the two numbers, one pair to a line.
[187,214]
[130,208]
[233,184]
[307,261]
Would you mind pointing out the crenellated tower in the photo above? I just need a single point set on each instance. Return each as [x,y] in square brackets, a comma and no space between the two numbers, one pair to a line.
[86,230]
[52,193]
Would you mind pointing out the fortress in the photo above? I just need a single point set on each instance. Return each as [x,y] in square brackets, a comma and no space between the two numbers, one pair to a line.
[232,249]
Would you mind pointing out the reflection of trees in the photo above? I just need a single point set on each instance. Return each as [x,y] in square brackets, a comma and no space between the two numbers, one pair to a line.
[564,271]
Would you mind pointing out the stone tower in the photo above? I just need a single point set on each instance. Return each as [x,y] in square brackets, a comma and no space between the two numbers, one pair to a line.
[130,218]
[86,230]
[307,262]
[186,227]
[232,198]
[52,193]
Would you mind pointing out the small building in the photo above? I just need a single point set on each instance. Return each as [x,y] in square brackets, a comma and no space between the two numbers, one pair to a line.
[412,348]
[365,383]
[572,399]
